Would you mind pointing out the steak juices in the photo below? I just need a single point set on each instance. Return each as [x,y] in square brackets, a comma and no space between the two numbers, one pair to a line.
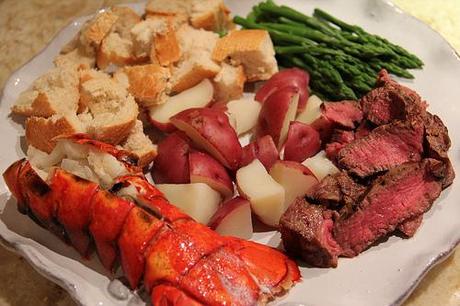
[394,165]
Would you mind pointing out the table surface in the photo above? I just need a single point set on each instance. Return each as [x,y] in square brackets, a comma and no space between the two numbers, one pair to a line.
[25,28]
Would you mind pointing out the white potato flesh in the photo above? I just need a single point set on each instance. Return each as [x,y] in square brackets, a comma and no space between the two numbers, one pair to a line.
[290,116]
[312,111]
[197,96]
[245,112]
[263,192]
[295,182]
[198,200]
[320,165]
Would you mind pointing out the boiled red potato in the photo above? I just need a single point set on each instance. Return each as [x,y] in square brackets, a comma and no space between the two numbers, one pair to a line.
[312,111]
[295,178]
[302,142]
[233,218]
[278,110]
[197,200]
[210,130]
[245,113]
[197,96]
[286,78]
[205,169]
[313,115]
[263,149]
[263,192]
[171,165]
[320,165]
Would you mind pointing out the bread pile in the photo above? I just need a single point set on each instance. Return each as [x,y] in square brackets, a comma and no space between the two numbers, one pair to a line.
[121,64]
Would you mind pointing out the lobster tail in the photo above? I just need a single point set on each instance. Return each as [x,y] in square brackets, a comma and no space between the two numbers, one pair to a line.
[180,261]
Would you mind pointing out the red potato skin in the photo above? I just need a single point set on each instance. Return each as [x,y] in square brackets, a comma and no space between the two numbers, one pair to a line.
[204,167]
[273,113]
[293,77]
[264,149]
[296,165]
[225,209]
[108,213]
[302,142]
[171,165]
[164,127]
[214,127]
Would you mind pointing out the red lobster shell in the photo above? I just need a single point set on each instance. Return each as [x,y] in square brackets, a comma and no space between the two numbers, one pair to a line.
[180,261]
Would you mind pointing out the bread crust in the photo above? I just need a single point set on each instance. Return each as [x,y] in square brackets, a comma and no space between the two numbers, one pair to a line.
[166,47]
[146,82]
[40,132]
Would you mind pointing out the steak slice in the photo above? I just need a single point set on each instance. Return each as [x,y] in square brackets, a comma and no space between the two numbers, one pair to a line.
[384,148]
[339,139]
[346,114]
[403,193]
[410,226]
[306,232]
[391,101]
[437,141]
[337,191]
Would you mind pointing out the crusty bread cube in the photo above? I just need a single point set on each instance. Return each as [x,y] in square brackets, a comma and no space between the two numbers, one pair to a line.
[115,50]
[143,34]
[117,47]
[140,145]
[176,20]
[165,46]
[40,132]
[55,92]
[127,19]
[145,82]
[113,111]
[229,83]
[251,48]
[76,58]
[168,7]
[93,32]
[191,40]
[210,15]
[197,67]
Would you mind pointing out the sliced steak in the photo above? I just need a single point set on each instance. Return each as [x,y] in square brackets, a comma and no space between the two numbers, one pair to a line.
[391,101]
[346,114]
[306,231]
[339,139]
[437,141]
[403,193]
[338,191]
[410,226]
[384,148]
[363,130]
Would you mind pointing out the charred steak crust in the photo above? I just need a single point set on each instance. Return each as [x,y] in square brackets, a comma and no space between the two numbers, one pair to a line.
[437,141]
[306,231]
[384,148]
[391,101]
[338,191]
[404,192]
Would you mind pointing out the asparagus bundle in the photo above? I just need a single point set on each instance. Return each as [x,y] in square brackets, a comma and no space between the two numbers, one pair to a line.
[343,59]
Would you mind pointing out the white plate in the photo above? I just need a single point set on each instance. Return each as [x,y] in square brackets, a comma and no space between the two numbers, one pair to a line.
[382,275]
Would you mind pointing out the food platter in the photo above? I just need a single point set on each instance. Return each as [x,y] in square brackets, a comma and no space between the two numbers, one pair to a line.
[383,275]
